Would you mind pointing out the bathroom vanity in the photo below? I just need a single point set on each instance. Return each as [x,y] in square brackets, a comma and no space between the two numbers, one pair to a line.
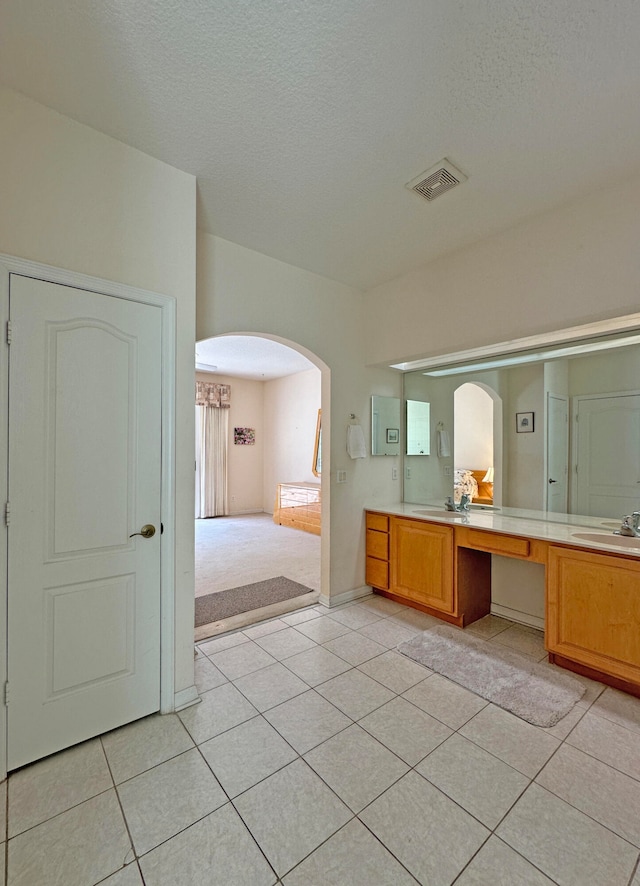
[440,562]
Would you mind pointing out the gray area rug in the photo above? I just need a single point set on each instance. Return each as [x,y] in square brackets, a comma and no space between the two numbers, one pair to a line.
[224,604]
[534,691]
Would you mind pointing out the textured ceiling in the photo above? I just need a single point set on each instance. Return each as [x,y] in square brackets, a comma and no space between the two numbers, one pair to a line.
[303,119]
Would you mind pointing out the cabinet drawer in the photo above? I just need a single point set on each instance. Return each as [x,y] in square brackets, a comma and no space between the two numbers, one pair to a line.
[377,573]
[378,521]
[496,544]
[377,544]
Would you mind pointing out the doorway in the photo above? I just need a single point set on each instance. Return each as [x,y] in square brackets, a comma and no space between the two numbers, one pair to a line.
[478,443]
[275,392]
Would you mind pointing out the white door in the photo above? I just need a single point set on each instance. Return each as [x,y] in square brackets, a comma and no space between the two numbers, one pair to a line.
[84,474]
[557,453]
[608,455]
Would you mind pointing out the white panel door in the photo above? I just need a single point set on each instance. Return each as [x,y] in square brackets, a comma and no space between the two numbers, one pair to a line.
[608,455]
[84,474]
[557,453]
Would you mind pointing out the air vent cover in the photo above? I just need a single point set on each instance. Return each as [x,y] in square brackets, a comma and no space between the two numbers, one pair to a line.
[435,181]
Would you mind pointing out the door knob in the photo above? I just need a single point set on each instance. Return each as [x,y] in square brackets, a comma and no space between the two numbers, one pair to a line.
[552,481]
[147,531]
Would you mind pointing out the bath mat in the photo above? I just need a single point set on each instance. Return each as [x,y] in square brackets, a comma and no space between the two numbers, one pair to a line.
[224,604]
[534,691]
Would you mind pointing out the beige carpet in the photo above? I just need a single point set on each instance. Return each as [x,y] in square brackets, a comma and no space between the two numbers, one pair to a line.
[539,693]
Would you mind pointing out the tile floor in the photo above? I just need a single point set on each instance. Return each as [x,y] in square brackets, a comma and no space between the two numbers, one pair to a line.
[319,755]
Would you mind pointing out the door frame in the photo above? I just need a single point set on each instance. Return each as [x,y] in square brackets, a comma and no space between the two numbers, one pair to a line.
[167,304]
[547,446]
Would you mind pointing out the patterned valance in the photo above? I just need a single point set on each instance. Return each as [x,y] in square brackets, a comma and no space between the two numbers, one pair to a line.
[210,394]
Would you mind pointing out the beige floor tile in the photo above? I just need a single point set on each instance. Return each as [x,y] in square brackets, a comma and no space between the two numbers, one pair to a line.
[207,675]
[129,876]
[270,686]
[388,633]
[355,616]
[216,851]
[226,641]
[412,815]
[246,754]
[609,742]
[264,628]
[285,643]
[489,626]
[138,746]
[307,720]
[382,605]
[524,747]
[414,620]
[243,659]
[165,800]
[356,766]
[304,615]
[83,845]
[220,709]
[354,648]
[405,730]
[55,784]
[568,846]
[523,639]
[355,694]
[352,856]
[619,707]
[498,865]
[316,665]
[445,700]
[397,672]
[603,793]
[568,723]
[480,783]
[322,629]
[290,814]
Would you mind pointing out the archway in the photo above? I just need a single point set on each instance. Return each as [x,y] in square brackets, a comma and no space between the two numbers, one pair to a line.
[478,439]
[277,388]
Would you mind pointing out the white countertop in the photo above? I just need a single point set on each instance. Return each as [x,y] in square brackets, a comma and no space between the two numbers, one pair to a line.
[560,528]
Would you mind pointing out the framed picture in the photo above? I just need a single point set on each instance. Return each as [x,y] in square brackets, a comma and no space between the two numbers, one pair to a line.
[244,436]
[524,422]
[393,435]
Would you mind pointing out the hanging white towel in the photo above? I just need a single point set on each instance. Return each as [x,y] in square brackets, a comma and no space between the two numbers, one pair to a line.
[355,442]
[444,444]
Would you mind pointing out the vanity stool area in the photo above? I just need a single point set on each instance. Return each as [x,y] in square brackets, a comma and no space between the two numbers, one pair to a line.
[440,562]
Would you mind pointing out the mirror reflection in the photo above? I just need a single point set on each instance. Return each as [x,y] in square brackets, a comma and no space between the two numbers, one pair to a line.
[418,427]
[555,436]
[385,425]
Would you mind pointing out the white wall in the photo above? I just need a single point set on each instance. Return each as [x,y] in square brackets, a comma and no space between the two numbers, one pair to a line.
[290,414]
[473,438]
[577,264]
[79,200]
[245,292]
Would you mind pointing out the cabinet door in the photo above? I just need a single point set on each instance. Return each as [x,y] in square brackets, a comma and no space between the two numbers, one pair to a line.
[422,563]
[593,611]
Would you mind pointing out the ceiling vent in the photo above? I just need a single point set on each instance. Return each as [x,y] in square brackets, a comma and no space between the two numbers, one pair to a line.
[435,181]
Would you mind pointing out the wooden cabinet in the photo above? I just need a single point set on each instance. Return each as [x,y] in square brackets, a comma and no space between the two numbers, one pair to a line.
[593,612]
[298,505]
[377,567]
[422,563]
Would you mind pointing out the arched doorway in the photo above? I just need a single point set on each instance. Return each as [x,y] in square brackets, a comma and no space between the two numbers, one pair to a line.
[478,439]
[244,560]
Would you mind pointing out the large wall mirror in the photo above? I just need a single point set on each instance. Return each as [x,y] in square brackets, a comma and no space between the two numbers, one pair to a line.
[385,425]
[562,434]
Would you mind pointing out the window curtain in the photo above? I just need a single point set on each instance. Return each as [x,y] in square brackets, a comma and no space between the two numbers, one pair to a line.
[212,436]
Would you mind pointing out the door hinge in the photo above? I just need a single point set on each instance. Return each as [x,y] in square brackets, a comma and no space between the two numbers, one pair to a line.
[6,693]
[7,513]
[8,332]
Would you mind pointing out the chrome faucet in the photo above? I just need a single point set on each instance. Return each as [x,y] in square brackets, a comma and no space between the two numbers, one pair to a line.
[463,505]
[630,525]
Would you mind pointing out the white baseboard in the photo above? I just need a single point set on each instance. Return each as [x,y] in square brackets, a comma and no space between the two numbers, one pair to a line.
[346,597]
[185,698]
[532,621]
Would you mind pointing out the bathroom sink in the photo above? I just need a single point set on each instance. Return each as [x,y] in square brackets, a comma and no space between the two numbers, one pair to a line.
[624,541]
